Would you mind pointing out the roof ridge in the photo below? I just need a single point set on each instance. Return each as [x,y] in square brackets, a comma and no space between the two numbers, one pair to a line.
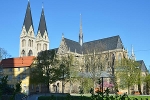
[102,38]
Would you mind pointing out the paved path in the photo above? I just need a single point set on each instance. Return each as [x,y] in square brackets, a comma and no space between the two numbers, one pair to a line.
[34,96]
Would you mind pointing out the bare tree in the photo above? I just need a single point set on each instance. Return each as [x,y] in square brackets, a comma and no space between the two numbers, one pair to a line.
[3,54]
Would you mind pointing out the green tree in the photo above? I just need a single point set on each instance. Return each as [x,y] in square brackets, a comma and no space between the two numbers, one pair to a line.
[6,89]
[45,69]
[94,64]
[66,70]
[147,81]
[127,72]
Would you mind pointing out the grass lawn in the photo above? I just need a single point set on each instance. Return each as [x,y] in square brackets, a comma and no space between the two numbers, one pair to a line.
[88,97]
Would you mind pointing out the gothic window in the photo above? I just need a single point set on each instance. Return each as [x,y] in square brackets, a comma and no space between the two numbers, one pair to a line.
[29,43]
[119,57]
[32,43]
[38,47]
[23,43]
[30,53]
[23,53]
[45,47]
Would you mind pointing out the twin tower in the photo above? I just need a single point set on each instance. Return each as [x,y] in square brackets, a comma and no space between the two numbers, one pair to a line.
[31,44]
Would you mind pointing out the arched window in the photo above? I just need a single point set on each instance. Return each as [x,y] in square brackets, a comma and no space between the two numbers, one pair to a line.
[30,53]
[23,53]
[32,43]
[29,43]
[45,47]
[38,46]
[119,57]
[23,43]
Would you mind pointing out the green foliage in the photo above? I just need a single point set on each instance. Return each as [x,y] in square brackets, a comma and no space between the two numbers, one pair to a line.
[128,72]
[18,87]
[45,70]
[4,87]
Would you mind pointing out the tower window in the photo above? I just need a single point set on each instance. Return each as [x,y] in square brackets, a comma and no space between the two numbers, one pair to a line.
[45,47]
[23,53]
[23,43]
[30,53]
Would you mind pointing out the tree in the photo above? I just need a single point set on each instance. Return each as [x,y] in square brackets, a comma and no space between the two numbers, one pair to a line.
[45,70]
[94,64]
[3,54]
[6,89]
[67,72]
[127,72]
[147,81]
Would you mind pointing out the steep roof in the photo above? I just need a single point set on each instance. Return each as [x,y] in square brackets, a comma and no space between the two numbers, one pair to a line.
[17,62]
[28,18]
[104,44]
[142,65]
[73,45]
[42,25]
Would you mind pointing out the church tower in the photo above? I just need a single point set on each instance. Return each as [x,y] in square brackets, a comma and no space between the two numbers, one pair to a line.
[27,38]
[80,32]
[42,39]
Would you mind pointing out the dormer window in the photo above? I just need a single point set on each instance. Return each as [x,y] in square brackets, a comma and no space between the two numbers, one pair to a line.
[45,37]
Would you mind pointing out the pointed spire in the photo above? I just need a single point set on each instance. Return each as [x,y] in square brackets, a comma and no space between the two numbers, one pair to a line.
[28,18]
[80,32]
[62,35]
[42,25]
[132,53]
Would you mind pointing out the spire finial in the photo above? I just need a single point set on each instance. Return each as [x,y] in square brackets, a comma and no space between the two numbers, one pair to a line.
[132,53]
[80,31]
[62,35]
[42,5]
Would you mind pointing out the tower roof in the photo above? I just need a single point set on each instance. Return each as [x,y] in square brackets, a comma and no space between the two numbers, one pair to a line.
[42,25]
[28,18]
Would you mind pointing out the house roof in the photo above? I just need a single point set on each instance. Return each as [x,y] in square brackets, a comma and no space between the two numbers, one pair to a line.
[42,25]
[17,62]
[142,65]
[73,45]
[104,44]
[99,45]
[28,18]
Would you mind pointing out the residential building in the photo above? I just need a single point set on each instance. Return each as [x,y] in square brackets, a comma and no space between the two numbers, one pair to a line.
[18,69]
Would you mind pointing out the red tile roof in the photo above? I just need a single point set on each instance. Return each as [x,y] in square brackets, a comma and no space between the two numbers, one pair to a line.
[17,62]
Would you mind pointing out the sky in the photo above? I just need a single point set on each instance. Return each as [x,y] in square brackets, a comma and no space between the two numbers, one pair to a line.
[130,19]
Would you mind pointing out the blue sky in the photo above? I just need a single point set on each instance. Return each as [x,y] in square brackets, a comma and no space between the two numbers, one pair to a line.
[100,19]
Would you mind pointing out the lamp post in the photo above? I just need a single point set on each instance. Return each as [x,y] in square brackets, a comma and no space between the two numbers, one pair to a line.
[104,74]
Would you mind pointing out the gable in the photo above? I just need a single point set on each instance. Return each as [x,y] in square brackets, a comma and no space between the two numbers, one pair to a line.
[62,48]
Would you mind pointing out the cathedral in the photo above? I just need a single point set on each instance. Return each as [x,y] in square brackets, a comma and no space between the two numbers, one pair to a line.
[30,44]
